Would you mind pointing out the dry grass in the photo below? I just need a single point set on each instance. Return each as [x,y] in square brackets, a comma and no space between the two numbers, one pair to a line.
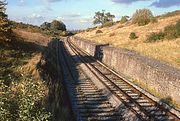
[168,51]
[31,66]
[37,38]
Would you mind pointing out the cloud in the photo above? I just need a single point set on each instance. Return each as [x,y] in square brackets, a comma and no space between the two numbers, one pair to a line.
[35,19]
[21,1]
[126,1]
[73,15]
[165,3]
[86,19]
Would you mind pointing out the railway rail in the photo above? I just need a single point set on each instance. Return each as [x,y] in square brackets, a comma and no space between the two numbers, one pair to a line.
[140,104]
[88,102]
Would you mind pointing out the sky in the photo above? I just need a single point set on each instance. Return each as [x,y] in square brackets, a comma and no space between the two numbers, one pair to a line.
[78,14]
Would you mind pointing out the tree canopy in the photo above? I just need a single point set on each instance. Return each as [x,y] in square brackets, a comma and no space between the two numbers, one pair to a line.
[54,25]
[102,17]
[4,23]
[58,25]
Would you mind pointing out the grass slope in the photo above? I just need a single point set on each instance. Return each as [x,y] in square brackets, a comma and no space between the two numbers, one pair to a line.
[118,36]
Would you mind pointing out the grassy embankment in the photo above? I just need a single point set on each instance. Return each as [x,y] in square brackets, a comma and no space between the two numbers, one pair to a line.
[25,95]
[118,36]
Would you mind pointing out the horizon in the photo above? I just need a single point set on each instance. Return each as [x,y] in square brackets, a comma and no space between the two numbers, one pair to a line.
[78,15]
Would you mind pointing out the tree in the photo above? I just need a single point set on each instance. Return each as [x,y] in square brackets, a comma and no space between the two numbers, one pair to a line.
[102,17]
[58,25]
[142,17]
[45,25]
[4,23]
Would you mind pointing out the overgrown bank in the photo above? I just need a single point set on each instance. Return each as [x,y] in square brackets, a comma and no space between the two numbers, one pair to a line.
[25,95]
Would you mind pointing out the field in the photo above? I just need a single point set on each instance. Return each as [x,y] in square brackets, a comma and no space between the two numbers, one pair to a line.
[118,36]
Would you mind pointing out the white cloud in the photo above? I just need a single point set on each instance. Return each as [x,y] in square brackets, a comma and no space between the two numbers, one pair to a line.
[86,19]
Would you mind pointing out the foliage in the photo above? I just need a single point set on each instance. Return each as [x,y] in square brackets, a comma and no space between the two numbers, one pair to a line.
[5,28]
[154,37]
[65,33]
[142,17]
[58,25]
[98,32]
[133,36]
[102,17]
[172,31]
[21,94]
[124,19]
[107,24]
[46,25]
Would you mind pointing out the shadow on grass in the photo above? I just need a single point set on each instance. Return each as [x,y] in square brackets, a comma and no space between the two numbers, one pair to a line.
[14,55]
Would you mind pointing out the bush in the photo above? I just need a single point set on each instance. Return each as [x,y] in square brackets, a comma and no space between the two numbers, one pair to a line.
[153,37]
[108,24]
[98,32]
[133,36]
[124,19]
[142,17]
[172,31]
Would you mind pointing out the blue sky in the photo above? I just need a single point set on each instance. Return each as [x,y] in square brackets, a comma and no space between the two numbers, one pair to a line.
[78,14]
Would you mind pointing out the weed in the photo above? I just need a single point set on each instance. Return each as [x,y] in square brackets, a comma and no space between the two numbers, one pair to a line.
[133,36]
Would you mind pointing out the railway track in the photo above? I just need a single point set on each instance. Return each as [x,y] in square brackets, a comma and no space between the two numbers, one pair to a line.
[139,103]
[88,102]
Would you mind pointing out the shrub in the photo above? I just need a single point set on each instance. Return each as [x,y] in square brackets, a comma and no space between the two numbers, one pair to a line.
[133,36]
[142,17]
[124,19]
[98,31]
[172,31]
[153,37]
[177,27]
[108,24]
